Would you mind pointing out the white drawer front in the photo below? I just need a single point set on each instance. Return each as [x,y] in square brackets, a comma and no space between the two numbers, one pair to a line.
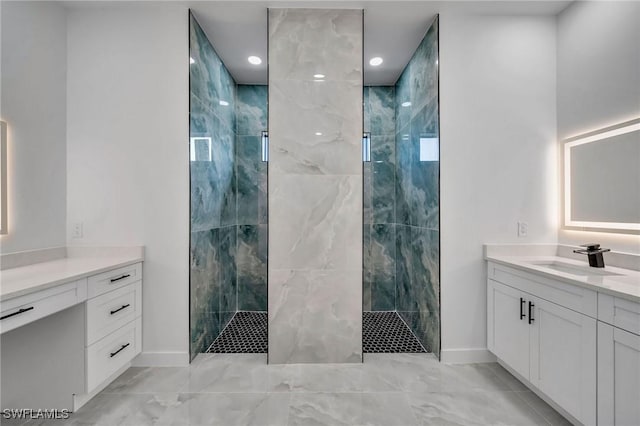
[116,278]
[621,313]
[23,310]
[110,311]
[564,294]
[108,355]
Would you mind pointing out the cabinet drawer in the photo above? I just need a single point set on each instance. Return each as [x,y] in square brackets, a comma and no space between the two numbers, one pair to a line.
[621,313]
[111,280]
[25,309]
[571,296]
[111,353]
[110,311]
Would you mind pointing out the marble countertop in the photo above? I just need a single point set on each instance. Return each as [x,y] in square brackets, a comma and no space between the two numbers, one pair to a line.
[625,285]
[23,280]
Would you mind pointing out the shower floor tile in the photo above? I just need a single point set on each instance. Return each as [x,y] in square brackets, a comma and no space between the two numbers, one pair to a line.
[246,333]
[385,332]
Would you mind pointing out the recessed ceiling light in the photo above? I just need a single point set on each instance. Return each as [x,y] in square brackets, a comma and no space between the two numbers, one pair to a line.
[224,103]
[318,133]
[375,61]
[191,60]
[406,104]
[254,60]
[318,76]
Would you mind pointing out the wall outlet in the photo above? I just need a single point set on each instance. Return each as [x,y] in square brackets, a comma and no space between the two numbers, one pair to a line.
[523,229]
[76,232]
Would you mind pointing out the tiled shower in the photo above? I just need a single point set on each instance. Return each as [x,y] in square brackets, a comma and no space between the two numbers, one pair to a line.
[402,196]
[228,194]
[229,215]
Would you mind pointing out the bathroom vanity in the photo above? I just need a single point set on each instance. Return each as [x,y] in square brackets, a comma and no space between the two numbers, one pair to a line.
[568,331]
[69,325]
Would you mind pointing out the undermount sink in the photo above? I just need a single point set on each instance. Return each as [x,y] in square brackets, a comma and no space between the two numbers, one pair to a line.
[570,268]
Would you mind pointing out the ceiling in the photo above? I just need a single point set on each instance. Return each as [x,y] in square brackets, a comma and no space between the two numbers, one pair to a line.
[393,29]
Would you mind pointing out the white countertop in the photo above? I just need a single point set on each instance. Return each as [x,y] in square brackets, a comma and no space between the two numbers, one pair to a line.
[23,280]
[625,285]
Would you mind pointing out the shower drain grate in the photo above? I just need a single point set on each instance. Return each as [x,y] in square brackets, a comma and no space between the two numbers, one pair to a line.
[385,332]
[246,333]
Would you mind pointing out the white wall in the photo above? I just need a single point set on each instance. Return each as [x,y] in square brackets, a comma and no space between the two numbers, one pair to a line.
[128,166]
[598,82]
[33,84]
[498,157]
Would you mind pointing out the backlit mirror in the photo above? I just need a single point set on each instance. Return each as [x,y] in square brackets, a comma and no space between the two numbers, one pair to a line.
[602,179]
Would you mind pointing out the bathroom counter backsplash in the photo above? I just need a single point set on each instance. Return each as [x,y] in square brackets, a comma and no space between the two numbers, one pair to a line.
[40,269]
[620,277]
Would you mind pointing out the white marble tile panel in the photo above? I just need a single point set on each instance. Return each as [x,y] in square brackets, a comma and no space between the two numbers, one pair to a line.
[315,316]
[315,128]
[315,222]
[304,42]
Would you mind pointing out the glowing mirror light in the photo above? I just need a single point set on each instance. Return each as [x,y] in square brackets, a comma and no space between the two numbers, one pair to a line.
[602,179]
[375,61]
[254,60]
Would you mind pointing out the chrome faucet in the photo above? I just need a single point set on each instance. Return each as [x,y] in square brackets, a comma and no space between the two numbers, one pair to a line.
[594,254]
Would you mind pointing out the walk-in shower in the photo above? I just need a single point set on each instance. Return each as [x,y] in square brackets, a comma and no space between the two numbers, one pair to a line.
[401,206]
[333,293]
[228,257]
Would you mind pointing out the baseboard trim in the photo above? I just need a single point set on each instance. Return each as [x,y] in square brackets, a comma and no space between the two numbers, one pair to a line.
[161,359]
[466,356]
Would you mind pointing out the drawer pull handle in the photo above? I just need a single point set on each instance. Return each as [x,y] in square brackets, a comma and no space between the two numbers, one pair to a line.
[21,311]
[120,308]
[522,314]
[113,280]
[118,351]
[531,306]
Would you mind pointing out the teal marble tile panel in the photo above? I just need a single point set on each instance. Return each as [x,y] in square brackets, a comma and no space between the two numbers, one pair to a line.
[367,263]
[204,289]
[368,189]
[251,110]
[383,270]
[248,159]
[381,103]
[383,147]
[383,192]
[252,267]
[228,274]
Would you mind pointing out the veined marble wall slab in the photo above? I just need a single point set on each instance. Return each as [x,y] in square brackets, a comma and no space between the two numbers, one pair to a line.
[315,186]
[251,121]
[379,200]
[213,275]
[417,194]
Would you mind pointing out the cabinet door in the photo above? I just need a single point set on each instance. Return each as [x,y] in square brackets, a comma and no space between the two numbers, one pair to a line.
[618,377]
[508,332]
[563,358]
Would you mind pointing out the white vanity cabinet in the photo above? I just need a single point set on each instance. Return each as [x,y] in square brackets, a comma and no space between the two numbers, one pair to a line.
[545,332]
[113,326]
[618,361]
[68,326]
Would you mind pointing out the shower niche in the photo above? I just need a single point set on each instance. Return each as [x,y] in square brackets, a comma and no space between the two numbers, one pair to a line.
[401,242]
[228,201]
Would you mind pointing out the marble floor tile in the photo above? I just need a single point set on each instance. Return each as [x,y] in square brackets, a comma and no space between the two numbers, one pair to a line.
[544,409]
[227,373]
[351,409]
[242,389]
[228,409]
[149,380]
[473,408]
